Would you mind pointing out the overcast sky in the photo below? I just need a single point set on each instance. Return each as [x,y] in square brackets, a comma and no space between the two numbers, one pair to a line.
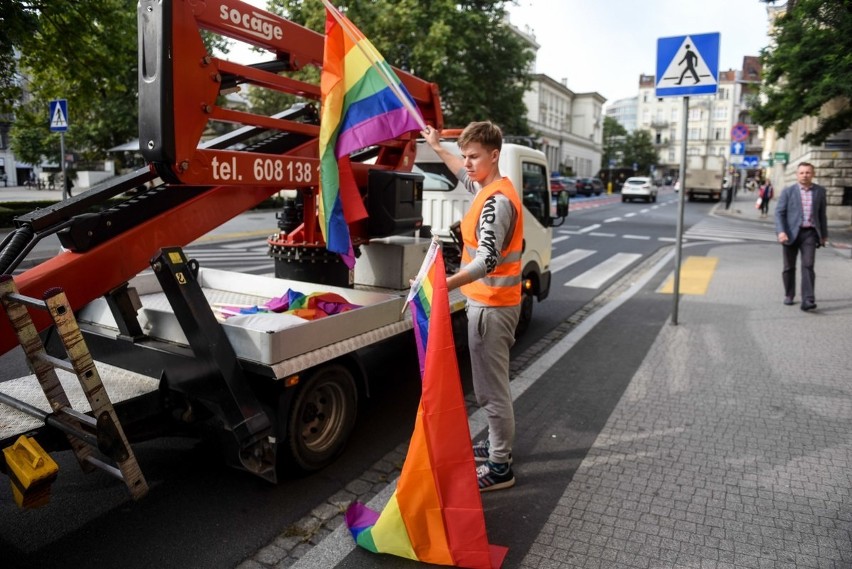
[604,45]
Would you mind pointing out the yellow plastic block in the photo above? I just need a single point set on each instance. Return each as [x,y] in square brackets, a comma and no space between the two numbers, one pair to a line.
[29,464]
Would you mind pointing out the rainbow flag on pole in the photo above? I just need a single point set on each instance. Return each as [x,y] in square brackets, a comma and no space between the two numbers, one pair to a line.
[363,103]
[435,515]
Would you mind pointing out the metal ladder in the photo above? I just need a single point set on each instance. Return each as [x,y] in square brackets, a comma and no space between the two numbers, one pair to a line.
[85,433]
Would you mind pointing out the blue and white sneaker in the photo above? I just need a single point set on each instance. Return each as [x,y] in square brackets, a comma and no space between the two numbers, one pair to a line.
[493,476]
[482,451]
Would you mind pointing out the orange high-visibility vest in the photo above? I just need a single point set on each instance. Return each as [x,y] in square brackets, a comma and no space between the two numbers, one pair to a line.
[502,286]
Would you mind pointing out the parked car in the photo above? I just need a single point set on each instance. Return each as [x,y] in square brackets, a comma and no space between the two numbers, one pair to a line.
[557,185]
[639,187]
[589,186]
[570,185]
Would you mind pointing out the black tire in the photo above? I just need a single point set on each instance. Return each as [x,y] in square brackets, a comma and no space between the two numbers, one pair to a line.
[654,198]
[623,199]
[321,418]
[527,302]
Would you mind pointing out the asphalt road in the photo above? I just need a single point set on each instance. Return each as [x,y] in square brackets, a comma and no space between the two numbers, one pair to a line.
[200,513]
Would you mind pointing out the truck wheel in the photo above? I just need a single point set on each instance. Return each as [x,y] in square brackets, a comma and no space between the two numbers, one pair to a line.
[322,417]
[526,314]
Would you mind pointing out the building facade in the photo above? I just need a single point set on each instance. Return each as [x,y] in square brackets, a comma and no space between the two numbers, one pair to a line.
[624,111]
[709,124]
[569,126]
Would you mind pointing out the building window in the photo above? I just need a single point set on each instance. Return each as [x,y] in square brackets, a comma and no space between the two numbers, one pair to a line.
[718,134]
[694,134]
[645,97]
[694,114]
[693,151]
[675,113]
[720,113]
[671,156]
[646,117]
[723,94]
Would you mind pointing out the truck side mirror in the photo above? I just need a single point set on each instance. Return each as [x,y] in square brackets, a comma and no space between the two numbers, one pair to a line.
[562,200]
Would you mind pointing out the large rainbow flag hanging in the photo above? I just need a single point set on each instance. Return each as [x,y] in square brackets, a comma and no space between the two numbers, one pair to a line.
[363,103]
[435,515]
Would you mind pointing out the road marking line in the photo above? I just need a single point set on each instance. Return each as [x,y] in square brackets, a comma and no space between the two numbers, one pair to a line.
[589,228]
[558,239]
[695,276]
[611,219]
[596,234]
[643,237]
[596,277]
[568,259]
[667,239]
[630,214]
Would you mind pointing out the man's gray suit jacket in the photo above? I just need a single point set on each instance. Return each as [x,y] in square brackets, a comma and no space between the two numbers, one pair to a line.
[789,215]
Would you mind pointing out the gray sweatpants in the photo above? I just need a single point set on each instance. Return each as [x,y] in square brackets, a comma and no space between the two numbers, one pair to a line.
[490,335]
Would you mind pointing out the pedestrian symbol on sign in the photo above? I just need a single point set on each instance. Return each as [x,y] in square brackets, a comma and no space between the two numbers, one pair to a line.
[59,115]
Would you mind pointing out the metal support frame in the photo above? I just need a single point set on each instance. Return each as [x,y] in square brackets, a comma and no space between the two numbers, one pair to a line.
[219,381]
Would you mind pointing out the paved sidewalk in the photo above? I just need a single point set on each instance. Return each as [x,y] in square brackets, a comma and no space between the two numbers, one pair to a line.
[732,445]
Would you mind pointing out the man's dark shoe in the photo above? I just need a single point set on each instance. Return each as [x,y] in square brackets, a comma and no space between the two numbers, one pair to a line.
[788,300]
[808,306]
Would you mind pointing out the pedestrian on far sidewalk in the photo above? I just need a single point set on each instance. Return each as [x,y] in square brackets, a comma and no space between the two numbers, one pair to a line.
[766,193]
[68,185]
[802,226]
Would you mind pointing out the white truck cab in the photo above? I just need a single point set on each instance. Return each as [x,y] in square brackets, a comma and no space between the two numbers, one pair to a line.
[446,200]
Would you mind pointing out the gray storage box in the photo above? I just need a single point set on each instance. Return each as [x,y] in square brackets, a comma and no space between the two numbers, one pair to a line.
[391,262]
[259,340]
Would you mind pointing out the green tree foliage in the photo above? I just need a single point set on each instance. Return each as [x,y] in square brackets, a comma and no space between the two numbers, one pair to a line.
[613,140]
[85,52]
[480,66]
[810,65]
[639,149]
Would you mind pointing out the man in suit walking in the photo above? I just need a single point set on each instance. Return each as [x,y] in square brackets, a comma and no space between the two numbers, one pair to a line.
[801,225]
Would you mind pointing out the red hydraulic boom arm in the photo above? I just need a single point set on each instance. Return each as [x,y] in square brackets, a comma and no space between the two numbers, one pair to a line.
[180,91]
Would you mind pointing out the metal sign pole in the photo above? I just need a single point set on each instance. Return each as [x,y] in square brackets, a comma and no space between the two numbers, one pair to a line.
[62,162]
[679,230]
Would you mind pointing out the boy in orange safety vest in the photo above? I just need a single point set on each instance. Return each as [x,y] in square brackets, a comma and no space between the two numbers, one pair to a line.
[490,278]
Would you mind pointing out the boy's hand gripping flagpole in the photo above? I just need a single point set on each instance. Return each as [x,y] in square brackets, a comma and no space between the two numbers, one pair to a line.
[424,269]
[344,24]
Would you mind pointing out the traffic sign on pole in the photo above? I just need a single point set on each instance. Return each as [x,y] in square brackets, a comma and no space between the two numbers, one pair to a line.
[687,65]
[737,149]
[59,115]
[739,132]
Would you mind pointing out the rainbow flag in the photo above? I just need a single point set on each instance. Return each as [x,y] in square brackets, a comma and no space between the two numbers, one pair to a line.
[363,103]
[435,515]
[420,299]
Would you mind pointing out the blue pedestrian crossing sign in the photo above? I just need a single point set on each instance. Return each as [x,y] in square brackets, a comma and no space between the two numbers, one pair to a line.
[687,65]
[737,148]
[59,115]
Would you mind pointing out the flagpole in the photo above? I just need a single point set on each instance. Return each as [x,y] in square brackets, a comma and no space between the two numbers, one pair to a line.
[424,267]
[388,81]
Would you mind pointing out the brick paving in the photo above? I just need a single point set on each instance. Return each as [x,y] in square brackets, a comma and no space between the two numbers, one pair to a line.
[732,445]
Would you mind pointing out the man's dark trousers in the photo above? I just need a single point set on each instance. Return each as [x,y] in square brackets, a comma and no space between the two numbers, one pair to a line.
[806,242]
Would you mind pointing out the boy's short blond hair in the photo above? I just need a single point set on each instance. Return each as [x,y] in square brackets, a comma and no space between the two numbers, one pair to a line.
[485,133]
